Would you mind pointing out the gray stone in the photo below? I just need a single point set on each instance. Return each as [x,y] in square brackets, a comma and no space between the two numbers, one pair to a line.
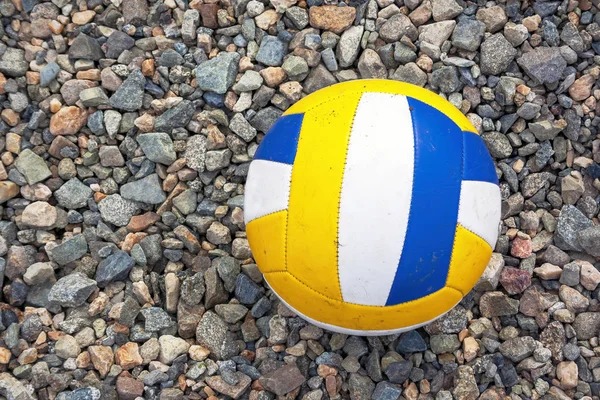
[146,190]
[544,64]
[176,117]
[32,166]
[13,63]
[399,371]
[218,74]
[85,48]
[48,73]
[386,391]
[117,43]
[251,80]
[213,333]
[446,79]
[570,222]
[93,97]
[246,291]
[156,319]
[218,159]
[518,349]
[444,343]
[587,325]
[349,45]
[496,54]
[195,152]
[411,342]
[445,9]
[13,389]
[318,78]
[158,147]
[73,194]
[370,65]
[295,67]
[570,274]
[570,35]
[271,51]
[72,290]
[436,33]
[395,27]
[130,94]
[498,144]
[589,240]
[170,58]
[411,73]
[360,387]
[117,210]
[115,267]
[69,251]
[240,126]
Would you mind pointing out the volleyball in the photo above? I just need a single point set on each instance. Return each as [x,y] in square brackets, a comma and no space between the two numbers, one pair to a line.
[372,207]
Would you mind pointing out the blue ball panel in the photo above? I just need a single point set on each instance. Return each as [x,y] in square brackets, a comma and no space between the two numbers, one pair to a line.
[479,165]
[281,142]
[425,259]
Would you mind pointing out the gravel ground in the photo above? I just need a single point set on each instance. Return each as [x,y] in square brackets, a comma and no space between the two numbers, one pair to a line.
[127,130]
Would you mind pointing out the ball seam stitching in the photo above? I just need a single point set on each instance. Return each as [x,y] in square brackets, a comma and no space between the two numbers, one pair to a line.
[339,206]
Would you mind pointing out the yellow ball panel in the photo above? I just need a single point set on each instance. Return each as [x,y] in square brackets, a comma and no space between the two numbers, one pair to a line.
[383,86]
[361,317]
[267,237]
[470,256]
[315,193]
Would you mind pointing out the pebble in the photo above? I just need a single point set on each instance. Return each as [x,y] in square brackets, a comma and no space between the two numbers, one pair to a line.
[128,131]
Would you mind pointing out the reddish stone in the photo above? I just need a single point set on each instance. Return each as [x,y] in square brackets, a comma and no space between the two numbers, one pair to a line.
[515,280]
[129,388]
[67,121]
[332,18]
[521,248]
[209,15]
[138,223]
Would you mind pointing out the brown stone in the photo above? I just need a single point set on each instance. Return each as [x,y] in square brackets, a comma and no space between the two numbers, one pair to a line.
[39,215]
[548,271]
[129,388]
[10,117]
[332,18]
[70,89]
[128,356]
[68,121]
[131,239]
[110,80]
[273,76]
[234,391]
[8,190]
[283,380]
[581,89]
[567,372]
[267,19]
[145,123]
[148,68]
[4,355]
[83,17]
[208,12]
[421,14]
[2,83]
[187,237]
[90,74]
[138,223]
[102,358]
[59,143]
